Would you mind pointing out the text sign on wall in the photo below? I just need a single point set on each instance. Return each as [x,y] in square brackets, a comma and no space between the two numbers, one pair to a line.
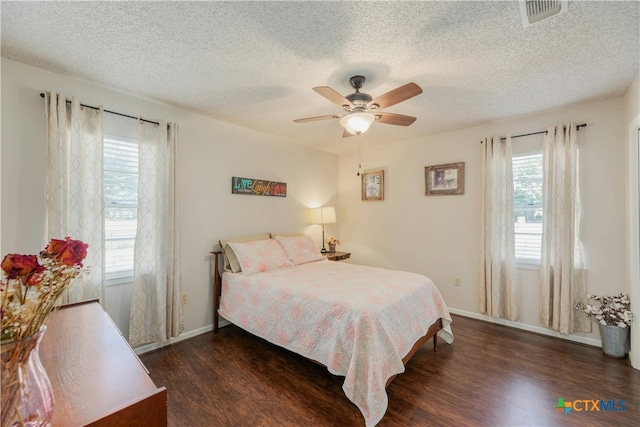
[258,187]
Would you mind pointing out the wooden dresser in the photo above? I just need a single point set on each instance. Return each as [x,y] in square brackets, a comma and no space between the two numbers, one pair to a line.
[96,377]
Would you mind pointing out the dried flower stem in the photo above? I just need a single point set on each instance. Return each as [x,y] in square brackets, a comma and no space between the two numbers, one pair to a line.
[613,310]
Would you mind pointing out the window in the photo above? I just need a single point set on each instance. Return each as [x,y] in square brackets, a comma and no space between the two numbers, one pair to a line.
[527,196]
[121,206]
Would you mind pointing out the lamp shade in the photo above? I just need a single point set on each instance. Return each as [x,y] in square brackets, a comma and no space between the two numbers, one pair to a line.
[323,215]
[357,122]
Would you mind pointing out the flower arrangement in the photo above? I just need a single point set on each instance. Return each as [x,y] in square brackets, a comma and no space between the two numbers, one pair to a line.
[612,310]
[33,284]
[332,240]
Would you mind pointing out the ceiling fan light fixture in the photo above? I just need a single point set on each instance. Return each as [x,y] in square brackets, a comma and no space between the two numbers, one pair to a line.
[357,122]
[362,110]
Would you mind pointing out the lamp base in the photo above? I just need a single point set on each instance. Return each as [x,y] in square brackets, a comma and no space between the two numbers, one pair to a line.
[323,250]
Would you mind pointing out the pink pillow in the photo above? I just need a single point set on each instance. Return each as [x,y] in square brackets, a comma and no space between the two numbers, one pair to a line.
[300,249]
[259,255]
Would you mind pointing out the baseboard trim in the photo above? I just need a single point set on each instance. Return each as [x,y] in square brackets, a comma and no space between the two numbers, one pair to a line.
[529,328]
[183,336]
[517,325]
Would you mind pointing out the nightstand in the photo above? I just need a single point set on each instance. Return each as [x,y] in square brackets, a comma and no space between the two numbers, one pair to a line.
[337,256]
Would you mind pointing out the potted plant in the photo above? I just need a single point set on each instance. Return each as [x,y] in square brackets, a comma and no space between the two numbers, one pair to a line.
[614,320]
[332,241]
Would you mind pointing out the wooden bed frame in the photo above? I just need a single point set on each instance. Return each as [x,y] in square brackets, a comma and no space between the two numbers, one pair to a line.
[217,293]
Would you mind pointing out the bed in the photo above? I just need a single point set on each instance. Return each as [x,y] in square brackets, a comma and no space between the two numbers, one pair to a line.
[361,322]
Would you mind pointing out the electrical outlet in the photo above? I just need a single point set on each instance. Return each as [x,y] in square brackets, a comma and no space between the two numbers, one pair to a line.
[457,281]
[184,298]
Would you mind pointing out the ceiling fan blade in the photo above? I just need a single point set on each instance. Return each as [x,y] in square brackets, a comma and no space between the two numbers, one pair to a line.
[333,96]
[346,134]
[396,96]
[394,119]
[313,119]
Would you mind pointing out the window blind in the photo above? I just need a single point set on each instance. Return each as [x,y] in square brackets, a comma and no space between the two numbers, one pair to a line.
[527,191]
[121,205]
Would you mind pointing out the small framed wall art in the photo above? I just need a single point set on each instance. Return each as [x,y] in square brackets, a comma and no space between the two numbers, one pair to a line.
[373,185]
[443,180]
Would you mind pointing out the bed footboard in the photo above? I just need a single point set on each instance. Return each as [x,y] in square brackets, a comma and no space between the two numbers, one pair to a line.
[431,332]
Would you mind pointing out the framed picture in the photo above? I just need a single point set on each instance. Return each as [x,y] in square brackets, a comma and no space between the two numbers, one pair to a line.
[373,185]
[444,179]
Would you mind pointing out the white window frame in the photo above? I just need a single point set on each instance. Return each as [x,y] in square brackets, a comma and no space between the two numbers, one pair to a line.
[526,262]
[125,276]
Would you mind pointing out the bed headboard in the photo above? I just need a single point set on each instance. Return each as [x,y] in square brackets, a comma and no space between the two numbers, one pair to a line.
[217,288]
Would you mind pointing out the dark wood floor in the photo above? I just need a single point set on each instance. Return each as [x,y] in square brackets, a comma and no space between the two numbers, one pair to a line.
[491,375]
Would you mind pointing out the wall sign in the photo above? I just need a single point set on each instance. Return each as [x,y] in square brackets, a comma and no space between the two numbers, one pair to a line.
[258,187]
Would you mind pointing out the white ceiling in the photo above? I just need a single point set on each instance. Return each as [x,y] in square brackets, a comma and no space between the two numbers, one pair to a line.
[254,63]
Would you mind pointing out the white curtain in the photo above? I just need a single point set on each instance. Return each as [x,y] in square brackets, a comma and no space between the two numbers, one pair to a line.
[497,295]
[156,303]
[561,265]
[74,203]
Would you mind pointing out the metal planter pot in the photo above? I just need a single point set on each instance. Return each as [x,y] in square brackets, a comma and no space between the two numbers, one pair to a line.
[615,340]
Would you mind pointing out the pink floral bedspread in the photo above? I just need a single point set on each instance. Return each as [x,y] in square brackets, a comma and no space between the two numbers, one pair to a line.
[356,320]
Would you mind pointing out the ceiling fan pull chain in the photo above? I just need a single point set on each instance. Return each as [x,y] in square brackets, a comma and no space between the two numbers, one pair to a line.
[359,164]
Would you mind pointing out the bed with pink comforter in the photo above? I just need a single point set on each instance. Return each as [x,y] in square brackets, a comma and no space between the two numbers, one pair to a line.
[358,321]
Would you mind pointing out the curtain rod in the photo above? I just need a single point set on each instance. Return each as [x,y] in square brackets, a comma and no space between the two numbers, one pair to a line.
[112,112]
[583,125]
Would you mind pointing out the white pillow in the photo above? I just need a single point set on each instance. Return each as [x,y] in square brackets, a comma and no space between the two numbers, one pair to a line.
[259,255]
[300,249]
[230,260]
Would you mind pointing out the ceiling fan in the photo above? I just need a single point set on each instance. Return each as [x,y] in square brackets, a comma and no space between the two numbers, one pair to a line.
[362,109]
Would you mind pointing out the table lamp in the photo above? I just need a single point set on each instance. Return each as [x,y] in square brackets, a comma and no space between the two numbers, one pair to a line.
[323,215]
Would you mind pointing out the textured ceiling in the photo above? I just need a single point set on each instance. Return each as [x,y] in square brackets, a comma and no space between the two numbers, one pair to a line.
[254,63]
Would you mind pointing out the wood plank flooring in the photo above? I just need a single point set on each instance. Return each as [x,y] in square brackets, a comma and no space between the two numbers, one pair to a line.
[491,375]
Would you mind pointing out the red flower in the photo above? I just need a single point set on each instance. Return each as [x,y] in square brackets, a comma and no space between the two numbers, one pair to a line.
[69,252]
[23,266]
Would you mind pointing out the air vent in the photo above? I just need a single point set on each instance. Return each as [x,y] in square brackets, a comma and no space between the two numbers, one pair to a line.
[533,11]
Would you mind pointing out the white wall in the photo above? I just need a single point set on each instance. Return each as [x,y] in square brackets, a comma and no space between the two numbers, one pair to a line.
[632,121]
[439,235]
[210,153]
